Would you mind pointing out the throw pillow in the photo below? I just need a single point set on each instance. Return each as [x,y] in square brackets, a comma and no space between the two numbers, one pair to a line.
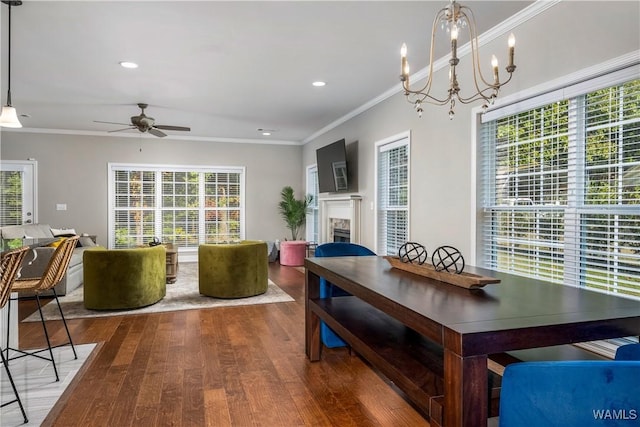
[65,232]
[56,243]
[86,242]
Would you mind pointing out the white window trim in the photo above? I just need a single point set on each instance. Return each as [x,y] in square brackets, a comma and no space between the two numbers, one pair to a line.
[316,195]
[390,142]
[111,167]
[627,65]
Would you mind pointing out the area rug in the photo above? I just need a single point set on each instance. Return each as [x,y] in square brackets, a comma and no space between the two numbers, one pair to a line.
[181,295]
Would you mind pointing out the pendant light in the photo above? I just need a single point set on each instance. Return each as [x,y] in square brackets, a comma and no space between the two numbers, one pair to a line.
[9,117]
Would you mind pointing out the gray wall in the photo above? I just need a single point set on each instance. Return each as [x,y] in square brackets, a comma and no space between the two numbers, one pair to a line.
[72,169]
[568,37]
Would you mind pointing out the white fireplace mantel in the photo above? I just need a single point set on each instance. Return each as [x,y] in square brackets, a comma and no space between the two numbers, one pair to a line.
[340,207]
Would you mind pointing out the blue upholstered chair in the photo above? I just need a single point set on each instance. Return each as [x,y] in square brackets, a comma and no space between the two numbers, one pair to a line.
[328,289]
[628,352]
[571,393]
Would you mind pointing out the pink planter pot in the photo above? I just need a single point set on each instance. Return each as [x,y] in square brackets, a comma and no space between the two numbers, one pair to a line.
[292,253]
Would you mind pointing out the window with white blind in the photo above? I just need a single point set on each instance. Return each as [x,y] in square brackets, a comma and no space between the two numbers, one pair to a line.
[11,207]
[184,206]
[313,214]
[18,192]
[560,188]
[392,193]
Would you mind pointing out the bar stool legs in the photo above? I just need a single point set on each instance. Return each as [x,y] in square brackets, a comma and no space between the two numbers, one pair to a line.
[5,362]
[10,262]
[46,335]
[52,275]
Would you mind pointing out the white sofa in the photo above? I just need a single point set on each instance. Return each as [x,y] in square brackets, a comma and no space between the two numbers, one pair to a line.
[34,268]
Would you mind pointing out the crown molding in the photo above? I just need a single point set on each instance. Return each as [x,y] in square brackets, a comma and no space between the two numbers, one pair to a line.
[146,136]
[502,28]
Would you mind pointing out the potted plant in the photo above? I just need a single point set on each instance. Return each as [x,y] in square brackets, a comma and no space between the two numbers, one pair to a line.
[294,213]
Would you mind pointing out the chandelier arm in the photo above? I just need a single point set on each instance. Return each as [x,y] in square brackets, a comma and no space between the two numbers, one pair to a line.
[426,98]
[477,97]
[427,86]
[481,93]
[475,53]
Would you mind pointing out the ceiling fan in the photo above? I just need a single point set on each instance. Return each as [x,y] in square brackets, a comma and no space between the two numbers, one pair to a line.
[145,124]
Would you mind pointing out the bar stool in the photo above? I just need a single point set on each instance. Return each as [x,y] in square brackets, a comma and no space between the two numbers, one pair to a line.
[52,275]
[9,266]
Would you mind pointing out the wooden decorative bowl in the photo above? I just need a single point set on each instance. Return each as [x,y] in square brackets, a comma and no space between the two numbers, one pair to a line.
[464,280]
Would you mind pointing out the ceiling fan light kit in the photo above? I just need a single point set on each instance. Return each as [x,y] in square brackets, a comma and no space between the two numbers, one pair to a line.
[9,116]
[146,124]
[454,18]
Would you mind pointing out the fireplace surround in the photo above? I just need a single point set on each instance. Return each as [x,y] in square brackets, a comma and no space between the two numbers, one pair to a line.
[340,213]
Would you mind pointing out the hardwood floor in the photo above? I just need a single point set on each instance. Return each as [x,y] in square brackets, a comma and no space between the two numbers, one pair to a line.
[229,366]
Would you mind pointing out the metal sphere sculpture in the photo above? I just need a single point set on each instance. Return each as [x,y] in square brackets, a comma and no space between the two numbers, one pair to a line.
[413,253]
[449,259]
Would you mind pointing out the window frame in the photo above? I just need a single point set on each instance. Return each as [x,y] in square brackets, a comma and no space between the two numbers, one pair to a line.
[395,141]
[158,209]
[312,224]
[28,210]
[576,206]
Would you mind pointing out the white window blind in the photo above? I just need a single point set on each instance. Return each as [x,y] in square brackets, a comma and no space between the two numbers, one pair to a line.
[183,206]
[313,215]
[392,195]
[134,207]
[18,192]
[560,191]
[11,206]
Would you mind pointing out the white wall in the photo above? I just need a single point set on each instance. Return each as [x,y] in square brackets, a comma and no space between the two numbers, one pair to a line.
[567,37]
[72,169]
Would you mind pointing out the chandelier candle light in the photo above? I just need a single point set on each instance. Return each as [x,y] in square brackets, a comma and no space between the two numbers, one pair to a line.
[453,19]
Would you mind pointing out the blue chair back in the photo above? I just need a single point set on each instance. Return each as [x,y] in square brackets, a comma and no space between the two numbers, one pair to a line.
[342,249]
[570,393]
[628,352]
[328,289]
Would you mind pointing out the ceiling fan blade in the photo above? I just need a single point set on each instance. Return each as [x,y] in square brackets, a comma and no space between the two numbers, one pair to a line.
[167,127]
[120,130]
[112,123]
[157,133]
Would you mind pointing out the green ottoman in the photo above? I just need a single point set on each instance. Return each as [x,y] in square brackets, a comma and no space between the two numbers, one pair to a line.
[124,278]
[233,270]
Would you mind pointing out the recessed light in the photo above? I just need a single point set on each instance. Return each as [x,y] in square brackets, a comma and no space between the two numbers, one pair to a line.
[319,84]
[128,64]
[266,132]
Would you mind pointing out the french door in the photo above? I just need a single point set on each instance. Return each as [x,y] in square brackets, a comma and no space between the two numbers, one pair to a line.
[18,193]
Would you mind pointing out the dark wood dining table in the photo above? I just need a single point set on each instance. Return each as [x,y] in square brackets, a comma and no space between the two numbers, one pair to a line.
[433,339]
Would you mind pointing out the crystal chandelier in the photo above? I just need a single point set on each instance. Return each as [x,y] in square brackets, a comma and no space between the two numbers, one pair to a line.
[456,18]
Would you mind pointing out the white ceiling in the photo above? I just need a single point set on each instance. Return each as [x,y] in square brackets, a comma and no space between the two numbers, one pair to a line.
[223,68]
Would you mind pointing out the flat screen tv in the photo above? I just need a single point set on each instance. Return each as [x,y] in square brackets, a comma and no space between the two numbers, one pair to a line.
[332,165]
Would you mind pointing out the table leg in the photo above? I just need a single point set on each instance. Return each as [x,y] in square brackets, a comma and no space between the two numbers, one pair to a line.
[466,403]
[312,321]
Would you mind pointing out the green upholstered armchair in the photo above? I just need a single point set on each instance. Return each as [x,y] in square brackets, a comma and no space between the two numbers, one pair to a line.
[233,270]
[124,278]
